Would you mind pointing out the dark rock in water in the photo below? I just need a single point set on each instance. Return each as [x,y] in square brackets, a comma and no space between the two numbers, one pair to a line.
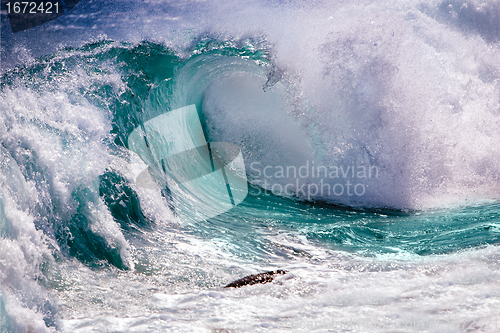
[256,278]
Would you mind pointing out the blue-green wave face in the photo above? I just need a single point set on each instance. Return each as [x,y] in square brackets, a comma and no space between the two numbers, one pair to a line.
[123,86]
[348,147]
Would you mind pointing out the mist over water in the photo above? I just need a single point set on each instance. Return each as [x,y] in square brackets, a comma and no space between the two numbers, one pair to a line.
[399,99]
[405,87]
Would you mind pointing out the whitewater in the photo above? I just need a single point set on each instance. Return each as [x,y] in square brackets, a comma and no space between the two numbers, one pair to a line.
[363,138]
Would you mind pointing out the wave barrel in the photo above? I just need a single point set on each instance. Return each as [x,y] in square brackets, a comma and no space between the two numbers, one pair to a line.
[204,179]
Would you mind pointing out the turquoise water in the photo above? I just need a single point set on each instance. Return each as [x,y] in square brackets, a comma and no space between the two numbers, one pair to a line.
[367,232]
[150,68]
[86,247]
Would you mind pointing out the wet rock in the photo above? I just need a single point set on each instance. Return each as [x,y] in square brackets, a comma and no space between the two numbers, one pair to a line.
[256,278]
